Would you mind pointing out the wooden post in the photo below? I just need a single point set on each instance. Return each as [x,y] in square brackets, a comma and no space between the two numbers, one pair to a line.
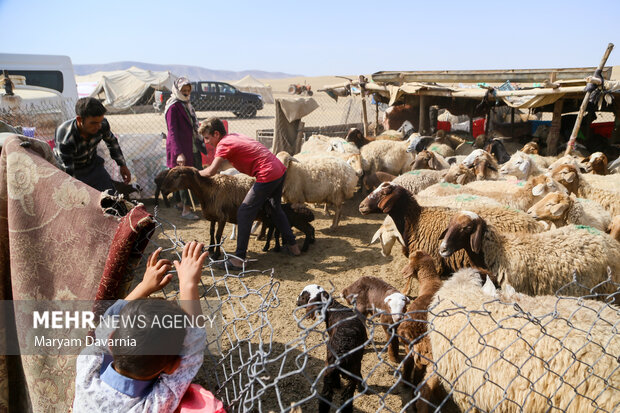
[487,123]
[423,113]
[615,134]
[554,131]
[512,122]
[364,112]
[584,104]
[376,119]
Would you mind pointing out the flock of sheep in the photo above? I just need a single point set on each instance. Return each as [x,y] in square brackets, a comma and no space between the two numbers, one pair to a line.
[491,233]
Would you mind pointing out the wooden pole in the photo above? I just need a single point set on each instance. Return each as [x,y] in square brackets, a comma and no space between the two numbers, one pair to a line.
[375,133]
[584,104]
[554,131]
[423,114]
[364,112]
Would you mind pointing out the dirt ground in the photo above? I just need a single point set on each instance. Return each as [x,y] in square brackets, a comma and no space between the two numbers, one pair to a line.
[339,257]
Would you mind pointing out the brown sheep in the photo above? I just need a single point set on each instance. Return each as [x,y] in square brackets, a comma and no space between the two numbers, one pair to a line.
[614,228]
[374,179]
[413,331]
[596,163]
[531,148]
[426,159]
[372,294]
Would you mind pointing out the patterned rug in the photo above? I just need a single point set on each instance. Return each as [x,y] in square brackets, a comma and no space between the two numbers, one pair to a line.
[56,243]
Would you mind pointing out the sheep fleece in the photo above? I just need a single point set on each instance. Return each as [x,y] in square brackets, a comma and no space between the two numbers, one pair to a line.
[490,350]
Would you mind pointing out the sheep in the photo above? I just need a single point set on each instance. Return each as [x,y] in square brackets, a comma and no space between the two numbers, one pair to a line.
[506,220]
[507,352]
[356,137]
[420,226]
[125,189]
[608,182]
[459,174]
[159,180]
[299,216]
[220,197]
[327,180]
[562,209]
[345,346]
[536,264]
[321,143]
[451,140]
[596,163]
[426,159]
[515,194]
[416,181]
[353,159]
[441,149]
[484,165]
[614,228]
[386,156]
[417,366]
[607,197]
[371,181]
[372,294]
[496,148]
[530,148]
[395,116]
[522,166]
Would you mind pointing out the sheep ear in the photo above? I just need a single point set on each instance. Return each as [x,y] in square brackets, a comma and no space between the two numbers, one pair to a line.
[525,166]
[375,237]
[388,201]
[558,209]
[443,234]
[433,163]
[538,190]
[476,238]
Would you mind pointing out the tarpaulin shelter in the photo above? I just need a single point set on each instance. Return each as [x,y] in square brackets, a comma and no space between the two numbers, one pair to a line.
[252,85]
[122,89]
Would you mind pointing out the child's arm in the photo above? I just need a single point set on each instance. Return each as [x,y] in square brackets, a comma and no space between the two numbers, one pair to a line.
[155,277]
[189,271]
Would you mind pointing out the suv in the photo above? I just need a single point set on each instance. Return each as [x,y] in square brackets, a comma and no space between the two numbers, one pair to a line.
[210,96]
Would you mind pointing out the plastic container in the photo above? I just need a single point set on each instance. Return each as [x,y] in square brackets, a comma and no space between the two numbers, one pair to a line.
[444,126]
[478,127]
[26,131]
[602,128]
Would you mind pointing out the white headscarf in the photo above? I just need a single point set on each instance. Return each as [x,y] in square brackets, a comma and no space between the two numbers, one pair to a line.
[177,96]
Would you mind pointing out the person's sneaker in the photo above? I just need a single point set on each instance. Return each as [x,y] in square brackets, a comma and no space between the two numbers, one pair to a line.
[191,216]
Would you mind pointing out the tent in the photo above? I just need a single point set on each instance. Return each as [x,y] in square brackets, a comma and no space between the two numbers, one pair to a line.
[122,89]
[249,84]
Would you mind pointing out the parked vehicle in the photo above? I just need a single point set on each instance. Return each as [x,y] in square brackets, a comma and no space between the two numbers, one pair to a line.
[220,96]
[298,89]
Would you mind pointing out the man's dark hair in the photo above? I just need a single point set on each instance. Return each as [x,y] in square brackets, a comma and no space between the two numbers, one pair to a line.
[86,107]
[212,125]
[156,344]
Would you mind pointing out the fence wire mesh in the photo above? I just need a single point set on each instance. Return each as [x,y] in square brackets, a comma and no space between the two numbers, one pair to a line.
[476,350]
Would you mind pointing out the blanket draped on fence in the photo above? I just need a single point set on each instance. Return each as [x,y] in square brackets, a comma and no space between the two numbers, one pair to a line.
[56,243]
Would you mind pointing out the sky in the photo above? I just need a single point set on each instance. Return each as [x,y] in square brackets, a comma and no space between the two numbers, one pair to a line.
[317,38]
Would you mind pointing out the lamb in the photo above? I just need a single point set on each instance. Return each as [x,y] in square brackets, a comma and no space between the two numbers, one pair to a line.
[420,226]
[327,180]
[484,165]
[426,159]
[441,149]
[220,197]
[562,209]
[386,156]
[515,194]
[608,198]
[537,264]
[511,352]
[372,294]
[353,159]
[417,366]
[299,216]
[345,346]
[459,174]
[356,137]
[530,148]
[614,228]
[321,143]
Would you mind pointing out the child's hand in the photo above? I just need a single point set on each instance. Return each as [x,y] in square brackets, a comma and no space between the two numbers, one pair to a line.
[155,277]
[189,269]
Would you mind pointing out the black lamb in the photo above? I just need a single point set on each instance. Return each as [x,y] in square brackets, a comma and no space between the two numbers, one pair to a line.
[299,216]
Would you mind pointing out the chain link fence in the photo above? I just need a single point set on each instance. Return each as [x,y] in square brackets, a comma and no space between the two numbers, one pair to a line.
[141,130]
[477,350]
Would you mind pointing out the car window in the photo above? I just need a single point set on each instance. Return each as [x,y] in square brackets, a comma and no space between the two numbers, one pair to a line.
[224,88]
[208,87]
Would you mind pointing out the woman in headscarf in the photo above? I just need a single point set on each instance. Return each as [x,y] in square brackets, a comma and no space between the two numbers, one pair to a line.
[183,143]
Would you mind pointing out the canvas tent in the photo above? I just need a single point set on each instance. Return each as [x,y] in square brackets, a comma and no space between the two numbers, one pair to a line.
[122,89]
[249,84]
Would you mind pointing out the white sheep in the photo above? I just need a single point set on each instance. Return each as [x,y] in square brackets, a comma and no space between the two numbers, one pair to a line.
[510,352]
[537,264]
[522,166]
[386,156]
[416,181]
[327,180]
[321,143]
[353,159]
[562,209]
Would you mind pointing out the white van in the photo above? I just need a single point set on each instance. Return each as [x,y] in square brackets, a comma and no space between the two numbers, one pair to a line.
[49,71]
